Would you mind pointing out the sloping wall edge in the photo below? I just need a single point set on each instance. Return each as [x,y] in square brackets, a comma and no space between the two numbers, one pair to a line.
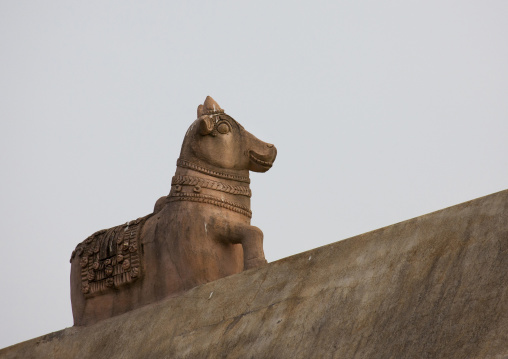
[434,286]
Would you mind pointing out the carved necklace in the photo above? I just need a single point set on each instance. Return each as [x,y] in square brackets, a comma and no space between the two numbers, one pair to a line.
[205,183]
[177,182]
[186,164]
[204,198]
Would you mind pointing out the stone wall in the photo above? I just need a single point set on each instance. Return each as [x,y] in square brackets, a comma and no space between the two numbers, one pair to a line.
[431,287]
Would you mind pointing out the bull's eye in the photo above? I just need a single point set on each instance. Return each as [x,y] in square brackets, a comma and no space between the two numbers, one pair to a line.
[223,128]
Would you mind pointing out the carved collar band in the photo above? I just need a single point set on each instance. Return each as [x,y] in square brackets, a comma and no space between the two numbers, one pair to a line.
[186,164]
[203,198]
[199,182]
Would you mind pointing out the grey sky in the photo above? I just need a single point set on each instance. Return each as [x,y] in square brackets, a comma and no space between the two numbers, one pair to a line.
[380,110]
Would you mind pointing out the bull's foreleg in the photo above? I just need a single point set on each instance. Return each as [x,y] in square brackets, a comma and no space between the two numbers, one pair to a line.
[250,237]
[252,243]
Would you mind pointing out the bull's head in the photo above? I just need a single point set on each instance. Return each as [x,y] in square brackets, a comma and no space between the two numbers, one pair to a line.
[216,139]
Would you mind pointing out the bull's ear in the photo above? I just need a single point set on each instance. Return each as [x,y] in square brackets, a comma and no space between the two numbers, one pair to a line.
[205,125]
[200,111]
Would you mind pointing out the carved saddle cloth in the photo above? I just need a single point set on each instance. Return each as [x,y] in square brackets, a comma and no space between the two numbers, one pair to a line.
[110,258]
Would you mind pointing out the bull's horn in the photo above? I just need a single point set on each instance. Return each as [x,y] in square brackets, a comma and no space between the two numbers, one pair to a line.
[205,125]
[200,111]
[210,106]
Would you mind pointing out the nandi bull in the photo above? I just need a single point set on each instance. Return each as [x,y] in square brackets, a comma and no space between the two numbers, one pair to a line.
[200,232]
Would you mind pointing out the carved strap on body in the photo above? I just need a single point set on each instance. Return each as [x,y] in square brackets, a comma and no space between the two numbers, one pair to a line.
[203,198]
[205,183]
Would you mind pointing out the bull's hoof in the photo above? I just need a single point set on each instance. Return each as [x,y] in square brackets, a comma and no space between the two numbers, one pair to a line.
[254,263]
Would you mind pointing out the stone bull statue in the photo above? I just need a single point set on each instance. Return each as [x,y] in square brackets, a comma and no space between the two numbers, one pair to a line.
[200,232]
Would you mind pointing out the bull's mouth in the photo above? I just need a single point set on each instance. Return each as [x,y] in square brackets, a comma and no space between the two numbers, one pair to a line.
[261,163]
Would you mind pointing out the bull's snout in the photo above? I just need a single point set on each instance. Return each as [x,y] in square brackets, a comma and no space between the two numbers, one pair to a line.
[262,160]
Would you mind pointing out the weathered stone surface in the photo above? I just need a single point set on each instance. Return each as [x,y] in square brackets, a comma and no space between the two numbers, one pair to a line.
[435,286]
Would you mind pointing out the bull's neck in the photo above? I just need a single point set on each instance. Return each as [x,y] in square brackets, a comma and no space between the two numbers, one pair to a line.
[198,183]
